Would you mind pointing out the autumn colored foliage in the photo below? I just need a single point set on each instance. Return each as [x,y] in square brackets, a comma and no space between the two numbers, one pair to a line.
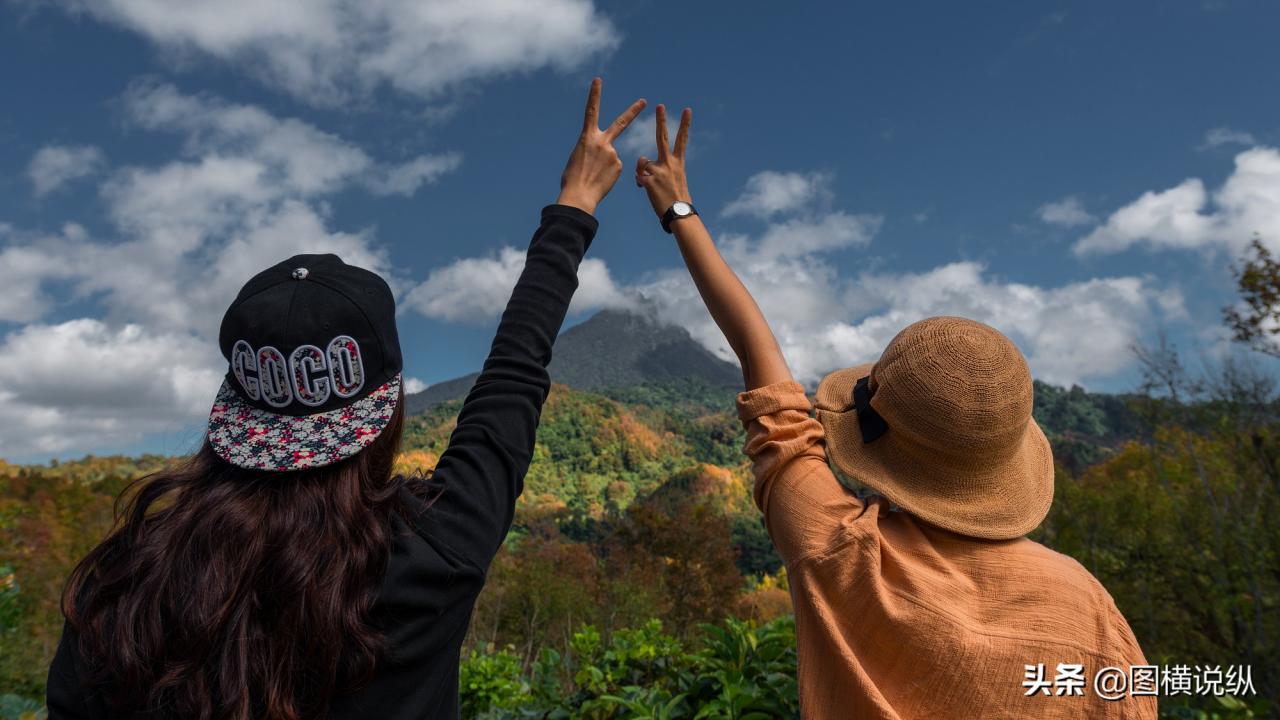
[638,580]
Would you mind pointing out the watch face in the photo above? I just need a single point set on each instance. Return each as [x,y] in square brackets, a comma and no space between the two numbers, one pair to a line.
[681,208]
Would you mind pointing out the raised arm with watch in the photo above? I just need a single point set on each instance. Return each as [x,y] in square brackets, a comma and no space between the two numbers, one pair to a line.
[731,306]
[679,209]
[941,427]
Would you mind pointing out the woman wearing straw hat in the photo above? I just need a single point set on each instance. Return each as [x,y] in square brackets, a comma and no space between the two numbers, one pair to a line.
[922,598]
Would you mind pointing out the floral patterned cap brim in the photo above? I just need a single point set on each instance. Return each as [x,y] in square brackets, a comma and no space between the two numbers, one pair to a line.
[255,439]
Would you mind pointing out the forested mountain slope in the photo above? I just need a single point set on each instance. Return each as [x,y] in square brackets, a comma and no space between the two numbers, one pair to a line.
[640,493]
[613,349]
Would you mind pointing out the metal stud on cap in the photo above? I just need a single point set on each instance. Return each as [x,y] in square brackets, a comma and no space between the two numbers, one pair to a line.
[300,274]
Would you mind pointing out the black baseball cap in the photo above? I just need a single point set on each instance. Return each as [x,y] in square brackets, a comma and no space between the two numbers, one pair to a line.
[314,365]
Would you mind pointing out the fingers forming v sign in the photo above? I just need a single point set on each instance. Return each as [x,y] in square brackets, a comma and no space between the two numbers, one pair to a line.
[593,165]
[592,121]
[664,179]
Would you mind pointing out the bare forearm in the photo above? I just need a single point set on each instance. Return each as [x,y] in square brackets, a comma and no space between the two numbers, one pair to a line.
[731,306]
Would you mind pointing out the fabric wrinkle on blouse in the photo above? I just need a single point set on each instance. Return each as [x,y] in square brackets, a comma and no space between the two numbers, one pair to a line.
[899,619]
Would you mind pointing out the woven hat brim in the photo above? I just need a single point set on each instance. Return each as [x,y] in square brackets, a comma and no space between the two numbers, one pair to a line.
[255,439]
[1002,500]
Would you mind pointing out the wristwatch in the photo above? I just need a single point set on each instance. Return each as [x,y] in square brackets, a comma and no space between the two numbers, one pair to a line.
[678,209]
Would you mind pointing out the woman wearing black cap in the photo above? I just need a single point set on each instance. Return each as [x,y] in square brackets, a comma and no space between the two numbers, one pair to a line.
[282,571]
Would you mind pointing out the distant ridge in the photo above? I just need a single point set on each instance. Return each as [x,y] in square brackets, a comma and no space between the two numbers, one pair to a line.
[611,349]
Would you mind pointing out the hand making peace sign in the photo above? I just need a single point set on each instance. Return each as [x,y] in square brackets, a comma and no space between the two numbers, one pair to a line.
[593,165]
[664,179]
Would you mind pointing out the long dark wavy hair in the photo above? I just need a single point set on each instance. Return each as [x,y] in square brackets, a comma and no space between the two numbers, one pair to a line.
[226,594]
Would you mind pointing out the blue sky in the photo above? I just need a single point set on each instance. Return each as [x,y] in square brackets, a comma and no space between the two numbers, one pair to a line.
[1079,175]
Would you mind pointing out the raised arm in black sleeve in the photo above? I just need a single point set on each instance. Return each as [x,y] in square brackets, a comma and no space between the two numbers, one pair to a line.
[482,471]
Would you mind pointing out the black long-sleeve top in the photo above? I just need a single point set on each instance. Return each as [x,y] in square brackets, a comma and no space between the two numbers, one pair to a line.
[438,561]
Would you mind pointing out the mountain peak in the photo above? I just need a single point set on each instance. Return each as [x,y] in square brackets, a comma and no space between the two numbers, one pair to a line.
[612,349]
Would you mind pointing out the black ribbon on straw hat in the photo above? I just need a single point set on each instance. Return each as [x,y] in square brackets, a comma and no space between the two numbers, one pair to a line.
[870,422]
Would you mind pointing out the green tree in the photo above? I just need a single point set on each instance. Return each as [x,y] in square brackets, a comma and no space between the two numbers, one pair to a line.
[1258,280]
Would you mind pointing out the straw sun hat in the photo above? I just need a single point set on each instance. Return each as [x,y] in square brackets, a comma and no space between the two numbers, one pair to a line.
[941,426]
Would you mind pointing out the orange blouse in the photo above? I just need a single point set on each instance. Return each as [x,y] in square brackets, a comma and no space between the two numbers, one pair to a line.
[896,618]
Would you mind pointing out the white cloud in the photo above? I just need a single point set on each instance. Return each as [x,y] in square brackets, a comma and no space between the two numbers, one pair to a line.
[800,237]
[639,139]
[193,229]
[470,289]
[83,385]
[248,190]
[56,165]
[1067,212]
[596,289]
[1046,322]
[25,268]
[475,290]
[824,320]
[295,156]
[770,193]
[413,385]
[405,179]
[329,51]
[1227,136]
[247,194]
[1189,216]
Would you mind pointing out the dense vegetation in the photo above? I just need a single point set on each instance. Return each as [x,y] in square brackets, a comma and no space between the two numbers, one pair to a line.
[739,670]
[638,581]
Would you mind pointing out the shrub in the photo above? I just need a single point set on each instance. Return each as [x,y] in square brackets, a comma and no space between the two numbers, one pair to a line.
[736,670]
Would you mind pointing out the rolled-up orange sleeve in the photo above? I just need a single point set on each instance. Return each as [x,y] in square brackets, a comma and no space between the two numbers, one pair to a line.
[803,504]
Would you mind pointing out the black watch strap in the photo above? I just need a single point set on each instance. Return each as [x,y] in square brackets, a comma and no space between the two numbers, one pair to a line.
[670,215]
